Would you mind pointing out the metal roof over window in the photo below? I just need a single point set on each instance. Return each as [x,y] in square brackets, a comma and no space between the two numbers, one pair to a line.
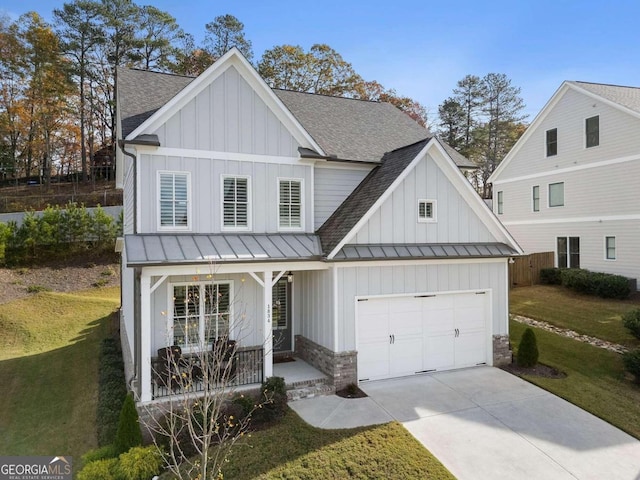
[175,249]
[424,251]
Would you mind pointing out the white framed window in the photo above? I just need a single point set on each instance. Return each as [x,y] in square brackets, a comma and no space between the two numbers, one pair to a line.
[290,208]
[535,198]
[201,313]
[609,248]
[592,131]
[552,142]
[427,211]
[236,203]
[174,200]
[556,194]
[500,203]
[568,252]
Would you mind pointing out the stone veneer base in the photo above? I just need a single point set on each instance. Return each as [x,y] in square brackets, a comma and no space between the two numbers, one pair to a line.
[502,354]
[340,367]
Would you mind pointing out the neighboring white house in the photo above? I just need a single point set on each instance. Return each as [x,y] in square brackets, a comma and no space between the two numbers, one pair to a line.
[338,227]
[571,184]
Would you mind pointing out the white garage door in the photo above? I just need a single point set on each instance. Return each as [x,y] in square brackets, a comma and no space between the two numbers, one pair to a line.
[400,336]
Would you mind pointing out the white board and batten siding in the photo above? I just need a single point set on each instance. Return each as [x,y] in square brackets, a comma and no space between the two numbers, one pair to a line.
[332,186]
[313,306]
[206,176]
[396,221]
[228,116]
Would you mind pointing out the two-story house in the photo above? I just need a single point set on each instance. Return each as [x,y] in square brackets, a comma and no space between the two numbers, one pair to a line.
[570,184]
[336,229]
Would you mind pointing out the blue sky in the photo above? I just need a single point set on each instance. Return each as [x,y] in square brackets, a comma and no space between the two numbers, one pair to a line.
[422,48]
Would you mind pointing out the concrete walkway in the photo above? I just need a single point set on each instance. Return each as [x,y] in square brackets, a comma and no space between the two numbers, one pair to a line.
[484,423]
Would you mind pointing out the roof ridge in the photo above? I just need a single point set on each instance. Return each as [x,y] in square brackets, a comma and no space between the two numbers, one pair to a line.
[332,96]
[426,139]
[605,84]
[171,74]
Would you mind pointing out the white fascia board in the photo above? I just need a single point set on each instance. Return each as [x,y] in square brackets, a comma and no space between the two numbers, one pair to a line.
[365,218]
[232,58]
[477,204]
[229,268]
[220,155]
[555,98]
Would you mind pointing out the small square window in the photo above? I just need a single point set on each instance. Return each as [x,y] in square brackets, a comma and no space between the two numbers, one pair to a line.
[592,130]
[552,142]
[556,194]
[500,203]
[426,210]
[610,248]
[536,198]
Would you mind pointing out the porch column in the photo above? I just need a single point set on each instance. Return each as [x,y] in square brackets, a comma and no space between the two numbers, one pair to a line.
[268,328]
[145,337]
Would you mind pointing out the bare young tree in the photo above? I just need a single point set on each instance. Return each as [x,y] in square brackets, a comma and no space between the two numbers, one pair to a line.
[202,416]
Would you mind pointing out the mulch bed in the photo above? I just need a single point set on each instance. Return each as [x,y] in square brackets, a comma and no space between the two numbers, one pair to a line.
[351,391]
[540,370]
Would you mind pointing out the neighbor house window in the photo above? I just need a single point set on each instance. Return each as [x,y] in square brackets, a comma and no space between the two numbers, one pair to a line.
[610,248]
[568,250]
[592,128]
[536,198]
[556,194]
[427,210]
[174,200]
[500,203]
[290,204]
[235,203]
[552,142]
[201,313]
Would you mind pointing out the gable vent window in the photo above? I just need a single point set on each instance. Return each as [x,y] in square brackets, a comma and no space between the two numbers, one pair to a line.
[500,203]
[174,200]
[427,210]
[236,213]
[290,204]
[592,128]
[552,142]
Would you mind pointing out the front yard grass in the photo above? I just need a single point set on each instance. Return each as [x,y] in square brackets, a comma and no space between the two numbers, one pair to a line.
[598,317]
[596,380]
[49,370]
[292,449]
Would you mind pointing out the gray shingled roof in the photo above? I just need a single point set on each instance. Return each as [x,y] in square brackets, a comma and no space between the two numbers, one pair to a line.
[340,223]
[626,96]
[352,129]
[431,250]
[142,93]
[154,249]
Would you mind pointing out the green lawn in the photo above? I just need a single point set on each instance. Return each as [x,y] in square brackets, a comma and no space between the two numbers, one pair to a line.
[596,380]
[584,314]
[49,369]
[295,450]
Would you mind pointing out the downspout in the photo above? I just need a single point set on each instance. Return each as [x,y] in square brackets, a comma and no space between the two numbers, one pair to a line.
[133,158]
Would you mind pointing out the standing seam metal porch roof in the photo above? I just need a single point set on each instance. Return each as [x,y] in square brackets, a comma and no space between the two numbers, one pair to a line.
[176,249]
[425,251]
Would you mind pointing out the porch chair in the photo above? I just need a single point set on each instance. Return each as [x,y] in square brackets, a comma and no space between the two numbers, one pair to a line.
[167,372]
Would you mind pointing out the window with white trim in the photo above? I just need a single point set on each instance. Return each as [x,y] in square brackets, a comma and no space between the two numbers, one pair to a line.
[568,250]
[427,211]
[174,200]
[201,313]
[500,203]
[552,142]
[610,248]
[535,198]
[556,194]
[592,131]
[236,214]
[290,204]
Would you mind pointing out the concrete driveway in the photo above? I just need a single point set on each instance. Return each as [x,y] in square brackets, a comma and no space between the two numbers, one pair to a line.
[484,423]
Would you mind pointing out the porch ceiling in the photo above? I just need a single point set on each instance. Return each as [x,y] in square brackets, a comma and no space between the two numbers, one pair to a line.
[184,249]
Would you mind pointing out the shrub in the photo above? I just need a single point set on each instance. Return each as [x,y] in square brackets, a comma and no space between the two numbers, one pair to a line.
[100,470]
[528,349]
[128,434]
[595,283]
[246,402]
[631,362]
[613,286]
[37,289]
[274,395]
[140,463]
[101,453]
[550,276]
[111,391]
[631,320]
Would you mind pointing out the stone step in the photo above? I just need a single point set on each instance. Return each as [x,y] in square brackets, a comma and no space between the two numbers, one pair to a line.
[310,391]
[306,383]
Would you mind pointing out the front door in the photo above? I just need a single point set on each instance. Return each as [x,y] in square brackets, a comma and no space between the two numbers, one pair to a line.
[282,315]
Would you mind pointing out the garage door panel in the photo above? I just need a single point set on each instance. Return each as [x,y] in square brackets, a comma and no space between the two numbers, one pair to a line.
[373,327]
[439,352]
[437,322]
[373,361]
[406,324]
[470,349]
[407,356]
[373,305]
[470,318]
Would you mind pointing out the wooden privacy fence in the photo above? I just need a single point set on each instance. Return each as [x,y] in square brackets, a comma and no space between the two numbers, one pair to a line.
[525,270]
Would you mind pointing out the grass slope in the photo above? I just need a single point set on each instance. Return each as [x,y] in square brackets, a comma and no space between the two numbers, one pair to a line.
[598,317]
[49,368]
[596,380]
[295,450]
